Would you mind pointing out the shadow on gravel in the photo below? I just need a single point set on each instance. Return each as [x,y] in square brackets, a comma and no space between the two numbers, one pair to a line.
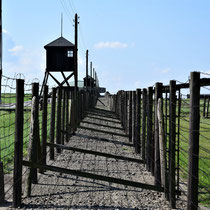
[51,206]
[107,120]
[103,139]
[107,126]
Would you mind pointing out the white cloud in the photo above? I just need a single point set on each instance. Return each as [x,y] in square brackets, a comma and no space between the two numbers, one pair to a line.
[113,45]
[16,49]
[5,31]
[165,71]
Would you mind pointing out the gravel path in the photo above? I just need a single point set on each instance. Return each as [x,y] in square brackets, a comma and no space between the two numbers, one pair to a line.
[60,191]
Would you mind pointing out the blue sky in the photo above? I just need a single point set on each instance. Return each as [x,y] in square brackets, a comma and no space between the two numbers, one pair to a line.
[132,44]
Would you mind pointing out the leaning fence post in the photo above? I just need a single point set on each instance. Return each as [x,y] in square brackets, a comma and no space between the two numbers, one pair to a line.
[58,125]
[138,122]
[18,146]
[192,201]
[158,94]
[52,123]
[162,142]
[44,125]
[172,143]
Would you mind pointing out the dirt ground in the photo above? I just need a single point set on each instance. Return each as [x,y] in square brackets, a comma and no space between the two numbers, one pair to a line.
[61,191]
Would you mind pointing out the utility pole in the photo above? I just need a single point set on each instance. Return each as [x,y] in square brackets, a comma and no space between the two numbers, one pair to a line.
[0,46]
[91,66]
[76,52]
[86,70]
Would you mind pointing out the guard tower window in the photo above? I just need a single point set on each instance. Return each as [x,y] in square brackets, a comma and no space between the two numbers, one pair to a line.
[69,53]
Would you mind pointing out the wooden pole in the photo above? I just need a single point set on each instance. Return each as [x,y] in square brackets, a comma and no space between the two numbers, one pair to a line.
[192,201]
[162,142]
[172,143]
[63,116]
[18,146]
[157,174]
[58,125]
[0,46]
[149,105]
[138,123]
[86,70]
[130,116]
[44,124]
[52,123]
[144,119]
[134,119]
[67,115]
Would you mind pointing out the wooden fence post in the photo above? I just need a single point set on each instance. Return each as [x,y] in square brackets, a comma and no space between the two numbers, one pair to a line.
[144,120]
[134,119]
[67,115]
[126,112]
[58,125]
[149,147]
[52,123]
[18,146]
[63,116]
[162,142]
[138,123]
[130,116]
[31,175]
[172,143]
[192,201]
[158,94]
[2,194]
[44,125]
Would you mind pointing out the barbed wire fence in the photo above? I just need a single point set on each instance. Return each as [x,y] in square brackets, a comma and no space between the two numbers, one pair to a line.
[138,112]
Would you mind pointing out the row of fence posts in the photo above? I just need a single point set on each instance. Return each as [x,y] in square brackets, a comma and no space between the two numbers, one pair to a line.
[138,111]
[67,110]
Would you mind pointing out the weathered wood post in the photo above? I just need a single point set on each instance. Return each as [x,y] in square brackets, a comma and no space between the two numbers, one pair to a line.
[138,123]
[149,147]
[134,119]
[192,201]
[2,194]
[58,125]
[18,146]
[63,116]
[162,142]
[31,175]
[144,120]
[126,112]
[52,123]
[158,94]
[172,143]
[67,115]
[130,116]
[204,106]
[44,125]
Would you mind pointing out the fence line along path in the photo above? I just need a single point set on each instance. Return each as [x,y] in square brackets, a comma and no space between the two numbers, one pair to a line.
[101,147]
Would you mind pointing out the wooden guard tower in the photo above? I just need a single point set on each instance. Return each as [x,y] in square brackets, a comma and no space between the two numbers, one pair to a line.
[61,56]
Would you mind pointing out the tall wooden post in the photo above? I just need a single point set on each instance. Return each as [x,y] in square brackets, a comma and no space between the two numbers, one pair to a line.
[63,116]
[138,122]
[149,144]
[134,118]
[0,46]
[18,146]
[44,125]
[76,52]
[130,116]
[58,124]
[158,94]
[192,202]
[144,118]
[86,70]
[2,194]
[172,143]
[52,123]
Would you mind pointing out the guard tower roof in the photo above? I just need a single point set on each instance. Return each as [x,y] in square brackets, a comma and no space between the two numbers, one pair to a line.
[60,42]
